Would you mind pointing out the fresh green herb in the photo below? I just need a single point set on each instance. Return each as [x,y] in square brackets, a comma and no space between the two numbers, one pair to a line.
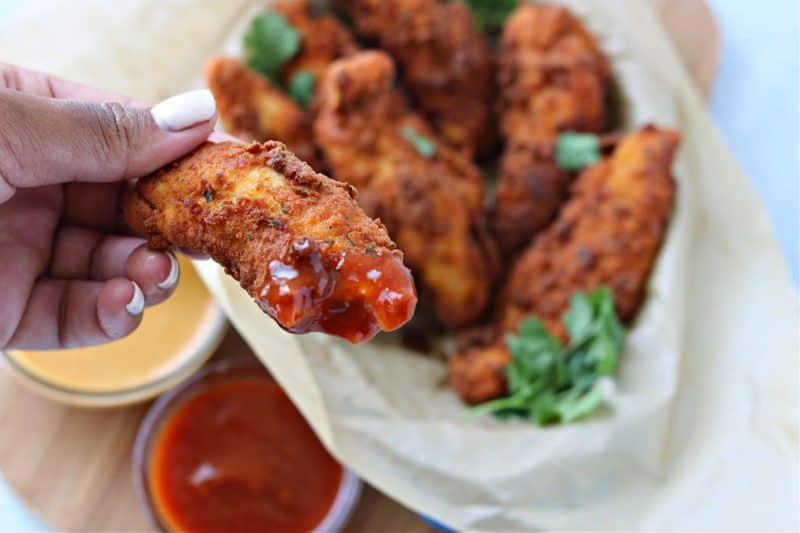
[549,382]
[274,223]
[250,236]
[370,249]
[269,43]
[577,150]
[489,15]
[208,195]
[423,145]
[301,88]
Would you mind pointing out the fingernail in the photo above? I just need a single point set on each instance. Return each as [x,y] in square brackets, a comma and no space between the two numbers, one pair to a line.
[183,110]
[172,277]
[136,305]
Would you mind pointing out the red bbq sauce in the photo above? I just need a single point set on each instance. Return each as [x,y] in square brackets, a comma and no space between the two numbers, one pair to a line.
[354,298]
[238,456]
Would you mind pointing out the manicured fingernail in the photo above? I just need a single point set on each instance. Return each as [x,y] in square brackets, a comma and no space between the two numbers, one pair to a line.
[172,277]
[6,190]
[136,305]
[181,111]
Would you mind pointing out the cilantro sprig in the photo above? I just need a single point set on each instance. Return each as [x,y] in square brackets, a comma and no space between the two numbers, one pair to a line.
[549,382]
[577,150]
[489,15]
[269,43]
[423,145]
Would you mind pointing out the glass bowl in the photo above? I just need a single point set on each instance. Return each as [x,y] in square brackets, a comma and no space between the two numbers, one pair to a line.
[187,328]
[350,485]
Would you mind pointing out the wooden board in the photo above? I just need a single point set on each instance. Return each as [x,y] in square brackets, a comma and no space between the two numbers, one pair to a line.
[72,467]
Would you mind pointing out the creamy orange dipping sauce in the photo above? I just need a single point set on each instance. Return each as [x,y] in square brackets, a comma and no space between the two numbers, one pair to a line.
[166,339]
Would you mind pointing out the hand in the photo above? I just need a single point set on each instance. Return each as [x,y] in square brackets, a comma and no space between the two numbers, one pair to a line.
[68,276]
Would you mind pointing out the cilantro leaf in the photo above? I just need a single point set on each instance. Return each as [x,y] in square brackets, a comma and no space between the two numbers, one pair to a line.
[425,146]
[269,43]
[301,88]
[489,15]
[577,150]
[549,382]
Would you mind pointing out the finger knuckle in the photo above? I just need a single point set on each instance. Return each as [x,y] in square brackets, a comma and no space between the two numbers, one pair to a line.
[12,163]
[119,127]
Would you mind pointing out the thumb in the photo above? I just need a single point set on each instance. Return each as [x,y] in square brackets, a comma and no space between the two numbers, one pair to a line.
[45,141]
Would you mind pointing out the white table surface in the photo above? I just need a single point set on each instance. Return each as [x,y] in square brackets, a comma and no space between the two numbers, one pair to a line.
[755,104]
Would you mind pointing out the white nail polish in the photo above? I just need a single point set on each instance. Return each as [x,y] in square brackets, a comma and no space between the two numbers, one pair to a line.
[172,277]
[183,110]
[136,305]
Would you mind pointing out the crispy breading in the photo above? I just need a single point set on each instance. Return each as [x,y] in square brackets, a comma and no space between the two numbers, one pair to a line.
[296,240]
[553,77]
[253,109]
[323,39]
[445,62]
[431,204]
[528,194]
[608,234]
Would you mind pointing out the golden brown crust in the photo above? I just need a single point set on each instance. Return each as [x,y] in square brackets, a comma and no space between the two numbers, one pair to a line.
[273,223]
[529,192]
[551,80]
[609,233]
[432,206]
[446,63]
[253,109]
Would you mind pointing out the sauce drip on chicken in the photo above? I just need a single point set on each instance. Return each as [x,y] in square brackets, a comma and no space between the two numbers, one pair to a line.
[354,299]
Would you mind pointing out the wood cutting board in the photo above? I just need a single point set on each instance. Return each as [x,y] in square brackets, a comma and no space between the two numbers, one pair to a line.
[72,467]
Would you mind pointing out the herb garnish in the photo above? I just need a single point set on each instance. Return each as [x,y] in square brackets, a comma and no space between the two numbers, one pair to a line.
[549,382]
[577,150]
[423,145]
[269,43]
[370,249]
[208,194]
[489,15]
[301,88]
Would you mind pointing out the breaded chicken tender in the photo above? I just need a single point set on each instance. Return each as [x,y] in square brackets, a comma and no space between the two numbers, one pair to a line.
[608,234]
[296,241]
[553,78]
[445,62]
[323,39]
[429,196]
[253,109]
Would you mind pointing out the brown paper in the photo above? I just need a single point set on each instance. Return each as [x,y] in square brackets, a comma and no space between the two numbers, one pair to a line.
[702,428]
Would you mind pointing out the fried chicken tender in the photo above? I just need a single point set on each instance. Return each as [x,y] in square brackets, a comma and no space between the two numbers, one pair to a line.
[608,234]
[323,39]
[431,204]
[253,109]
[296,241]
[553,77]
[445,61]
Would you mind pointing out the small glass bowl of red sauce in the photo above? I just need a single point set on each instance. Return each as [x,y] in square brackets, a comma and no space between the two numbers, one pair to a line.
[228,451]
